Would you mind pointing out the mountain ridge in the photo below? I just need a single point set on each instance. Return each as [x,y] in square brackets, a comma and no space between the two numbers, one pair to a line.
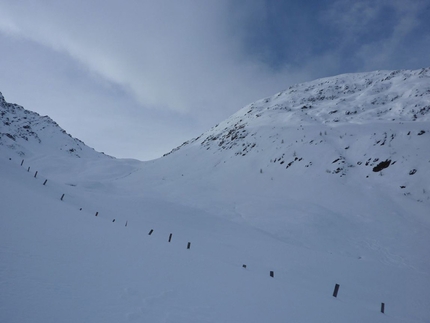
[267,214]
[364,125]
[296,102]
[368,125]
[26,132]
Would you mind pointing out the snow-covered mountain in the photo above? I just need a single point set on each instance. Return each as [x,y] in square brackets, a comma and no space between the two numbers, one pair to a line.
[44,145]
[28,134]
[366,125]
[331,143]
[327,182]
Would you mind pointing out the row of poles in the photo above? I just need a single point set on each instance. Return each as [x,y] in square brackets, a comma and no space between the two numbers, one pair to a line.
[336,291]
[97,213]
[271,273]
[170,238]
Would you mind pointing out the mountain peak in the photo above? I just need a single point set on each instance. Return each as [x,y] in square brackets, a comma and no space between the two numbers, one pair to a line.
[401,95]
[28,134]
[380,96]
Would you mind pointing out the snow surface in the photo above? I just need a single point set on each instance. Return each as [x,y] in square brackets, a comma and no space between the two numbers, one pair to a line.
[284,185]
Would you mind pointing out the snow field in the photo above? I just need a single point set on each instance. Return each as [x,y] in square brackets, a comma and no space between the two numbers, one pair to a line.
[67,265]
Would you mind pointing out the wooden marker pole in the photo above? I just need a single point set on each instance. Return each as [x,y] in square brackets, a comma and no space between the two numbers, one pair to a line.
[170,237]
[35,174]
[45,181]
[150,232]
[62,196]
[189,245]
[382,307]
[272,274]
[336,290]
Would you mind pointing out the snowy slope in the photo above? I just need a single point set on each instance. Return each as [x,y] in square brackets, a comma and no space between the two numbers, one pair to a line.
[27,133]
[325,183]
[49,149]
[364,125]
[314,177]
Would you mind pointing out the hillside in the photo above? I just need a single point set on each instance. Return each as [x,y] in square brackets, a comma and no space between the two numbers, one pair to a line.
[280,162]
[363,125]
[27,133]
[325,183]
[44,145]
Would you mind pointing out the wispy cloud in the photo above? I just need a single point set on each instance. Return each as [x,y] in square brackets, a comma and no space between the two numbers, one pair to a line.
[169,54]
[380,34]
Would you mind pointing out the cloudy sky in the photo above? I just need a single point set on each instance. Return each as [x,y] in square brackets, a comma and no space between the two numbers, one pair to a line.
[136,78]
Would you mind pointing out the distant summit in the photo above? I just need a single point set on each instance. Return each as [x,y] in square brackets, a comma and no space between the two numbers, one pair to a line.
[28,134]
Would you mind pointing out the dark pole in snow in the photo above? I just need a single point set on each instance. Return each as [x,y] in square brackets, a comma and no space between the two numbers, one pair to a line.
[97,213]
[126,223]
[28,169]
[45,181]
[336,290]
[382,307]
[150,232]
[189,245]
[35,174]
[170,237]
[22,162]
[272,274]
[62,196]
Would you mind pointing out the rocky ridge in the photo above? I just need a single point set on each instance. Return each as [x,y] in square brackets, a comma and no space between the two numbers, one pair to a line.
[27,133]
[366,125]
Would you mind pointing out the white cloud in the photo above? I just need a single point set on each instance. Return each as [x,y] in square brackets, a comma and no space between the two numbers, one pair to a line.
[373,34]
[351,17]
[381,54]
[170,54]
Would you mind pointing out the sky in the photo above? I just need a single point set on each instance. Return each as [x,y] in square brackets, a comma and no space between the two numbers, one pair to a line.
[135,79]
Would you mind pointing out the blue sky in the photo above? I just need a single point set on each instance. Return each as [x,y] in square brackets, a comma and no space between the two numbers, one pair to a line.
[137,78]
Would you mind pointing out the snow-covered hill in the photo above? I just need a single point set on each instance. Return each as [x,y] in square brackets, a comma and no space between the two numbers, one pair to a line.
[325,183]
[28,134]
[48,148]
[367,125]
